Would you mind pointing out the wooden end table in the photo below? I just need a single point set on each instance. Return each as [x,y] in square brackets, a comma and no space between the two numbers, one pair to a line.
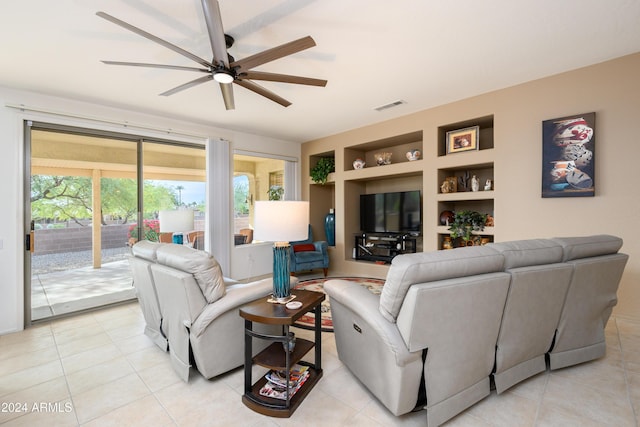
[274,356]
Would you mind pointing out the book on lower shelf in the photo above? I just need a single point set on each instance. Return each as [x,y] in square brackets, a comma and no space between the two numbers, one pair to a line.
[276,386]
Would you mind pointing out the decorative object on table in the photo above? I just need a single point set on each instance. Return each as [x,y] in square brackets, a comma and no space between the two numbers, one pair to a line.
[446,217]
[449,185]
[275,192]
[280,222]
[447,243]
[465,223]
[413,155]
[359,163]
[330,227]
[322,169]
[488,186]
[178,222]
[383,158]
[463,182]
[568,158]
[463,139]
[475,183]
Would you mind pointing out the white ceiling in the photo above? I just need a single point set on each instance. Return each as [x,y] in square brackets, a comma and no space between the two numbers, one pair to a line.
[372,52]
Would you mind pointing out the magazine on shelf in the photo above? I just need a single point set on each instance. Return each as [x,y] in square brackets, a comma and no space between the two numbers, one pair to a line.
[276,388]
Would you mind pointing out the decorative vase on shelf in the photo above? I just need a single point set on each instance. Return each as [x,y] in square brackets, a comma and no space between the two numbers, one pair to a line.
[330,227]
[358,163]
[447,243]
[413,155]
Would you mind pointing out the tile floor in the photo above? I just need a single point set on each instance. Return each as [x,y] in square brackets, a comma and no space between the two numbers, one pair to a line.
[98,369]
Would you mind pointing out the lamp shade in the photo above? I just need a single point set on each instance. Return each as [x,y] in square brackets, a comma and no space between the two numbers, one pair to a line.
[281,220]
[176,221]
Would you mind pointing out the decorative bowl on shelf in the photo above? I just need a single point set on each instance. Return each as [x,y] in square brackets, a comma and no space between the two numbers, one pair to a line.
[383,158]
[413,155]
[358,163]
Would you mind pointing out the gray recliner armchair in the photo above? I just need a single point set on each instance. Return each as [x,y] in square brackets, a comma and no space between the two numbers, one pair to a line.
[192,309]
[597,271]
[436,323]
[143,257]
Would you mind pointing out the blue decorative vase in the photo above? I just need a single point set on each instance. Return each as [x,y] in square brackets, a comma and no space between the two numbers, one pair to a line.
[281,283]
[330,228]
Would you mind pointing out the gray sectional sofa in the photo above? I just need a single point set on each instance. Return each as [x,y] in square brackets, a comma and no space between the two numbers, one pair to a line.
[448,322]
[191,310]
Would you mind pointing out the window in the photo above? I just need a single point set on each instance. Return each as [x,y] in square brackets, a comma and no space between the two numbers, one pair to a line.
[253,177]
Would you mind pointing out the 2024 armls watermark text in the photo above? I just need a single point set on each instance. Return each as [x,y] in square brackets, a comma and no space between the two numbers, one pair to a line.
[51,407]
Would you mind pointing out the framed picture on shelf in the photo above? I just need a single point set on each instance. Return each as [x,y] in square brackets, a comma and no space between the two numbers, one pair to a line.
[463,139]
[568,156]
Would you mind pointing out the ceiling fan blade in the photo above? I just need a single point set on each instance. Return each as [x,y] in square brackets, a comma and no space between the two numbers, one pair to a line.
[144,64]
[216,32]
[187,85]
[158,40]
[283,78]
[274,53]
[227,96]
[262,91]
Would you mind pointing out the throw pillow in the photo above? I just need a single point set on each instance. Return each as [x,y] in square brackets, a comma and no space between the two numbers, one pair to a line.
[306,247]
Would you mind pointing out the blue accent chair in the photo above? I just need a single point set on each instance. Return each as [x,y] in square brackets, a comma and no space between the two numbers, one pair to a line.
[304,257]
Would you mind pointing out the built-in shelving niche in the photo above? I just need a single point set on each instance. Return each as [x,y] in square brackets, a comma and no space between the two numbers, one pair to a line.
[322,197]
[485,137]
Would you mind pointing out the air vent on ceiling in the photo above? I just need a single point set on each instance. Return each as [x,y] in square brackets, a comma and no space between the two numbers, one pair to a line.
[390,105]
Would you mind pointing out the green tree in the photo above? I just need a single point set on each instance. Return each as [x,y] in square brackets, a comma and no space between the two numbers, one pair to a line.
[68,198]
[157,197]
[60,197]
[241,196]
[119,198]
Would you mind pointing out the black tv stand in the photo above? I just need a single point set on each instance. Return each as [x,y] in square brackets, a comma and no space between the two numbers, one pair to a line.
[383,247]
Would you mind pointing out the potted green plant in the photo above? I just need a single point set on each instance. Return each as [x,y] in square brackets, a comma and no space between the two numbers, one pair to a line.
[322,169]
[465,223]
[275,192]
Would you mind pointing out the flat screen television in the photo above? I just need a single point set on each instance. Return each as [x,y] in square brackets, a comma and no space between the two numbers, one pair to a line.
[397,212]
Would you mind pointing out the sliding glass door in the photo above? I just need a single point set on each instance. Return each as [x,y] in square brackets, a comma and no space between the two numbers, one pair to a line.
[86,207]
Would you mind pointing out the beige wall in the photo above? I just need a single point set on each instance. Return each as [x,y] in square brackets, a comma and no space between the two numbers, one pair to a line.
[611,89]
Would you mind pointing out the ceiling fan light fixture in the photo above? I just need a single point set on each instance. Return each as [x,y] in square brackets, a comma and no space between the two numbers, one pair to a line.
[223,76]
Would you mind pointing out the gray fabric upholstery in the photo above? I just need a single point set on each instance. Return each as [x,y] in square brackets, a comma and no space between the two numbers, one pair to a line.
[523,253]
[591,297]
[464,316]
[409,269]
[539,283]
[453,317]
[204,267]
[144,255]
[372,348]
[531,314]
[211,332]
[588,246]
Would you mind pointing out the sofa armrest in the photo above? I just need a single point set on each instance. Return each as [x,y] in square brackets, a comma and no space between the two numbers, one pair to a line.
[365,304]
[236,296]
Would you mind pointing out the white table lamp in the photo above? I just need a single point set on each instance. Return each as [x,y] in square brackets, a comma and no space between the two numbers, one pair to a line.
[281,222]
[176,222]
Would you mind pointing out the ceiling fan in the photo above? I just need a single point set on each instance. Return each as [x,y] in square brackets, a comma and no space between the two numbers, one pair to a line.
[224,69]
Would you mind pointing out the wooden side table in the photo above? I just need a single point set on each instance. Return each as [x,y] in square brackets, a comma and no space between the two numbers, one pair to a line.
[274,356]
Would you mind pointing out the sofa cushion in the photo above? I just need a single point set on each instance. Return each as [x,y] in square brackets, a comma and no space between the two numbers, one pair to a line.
[525,253]
[306,247]
[588,246]
[146,250]
[411,269]
[204,267]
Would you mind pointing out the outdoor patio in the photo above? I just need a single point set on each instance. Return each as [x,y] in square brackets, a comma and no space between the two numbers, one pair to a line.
[65,283]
